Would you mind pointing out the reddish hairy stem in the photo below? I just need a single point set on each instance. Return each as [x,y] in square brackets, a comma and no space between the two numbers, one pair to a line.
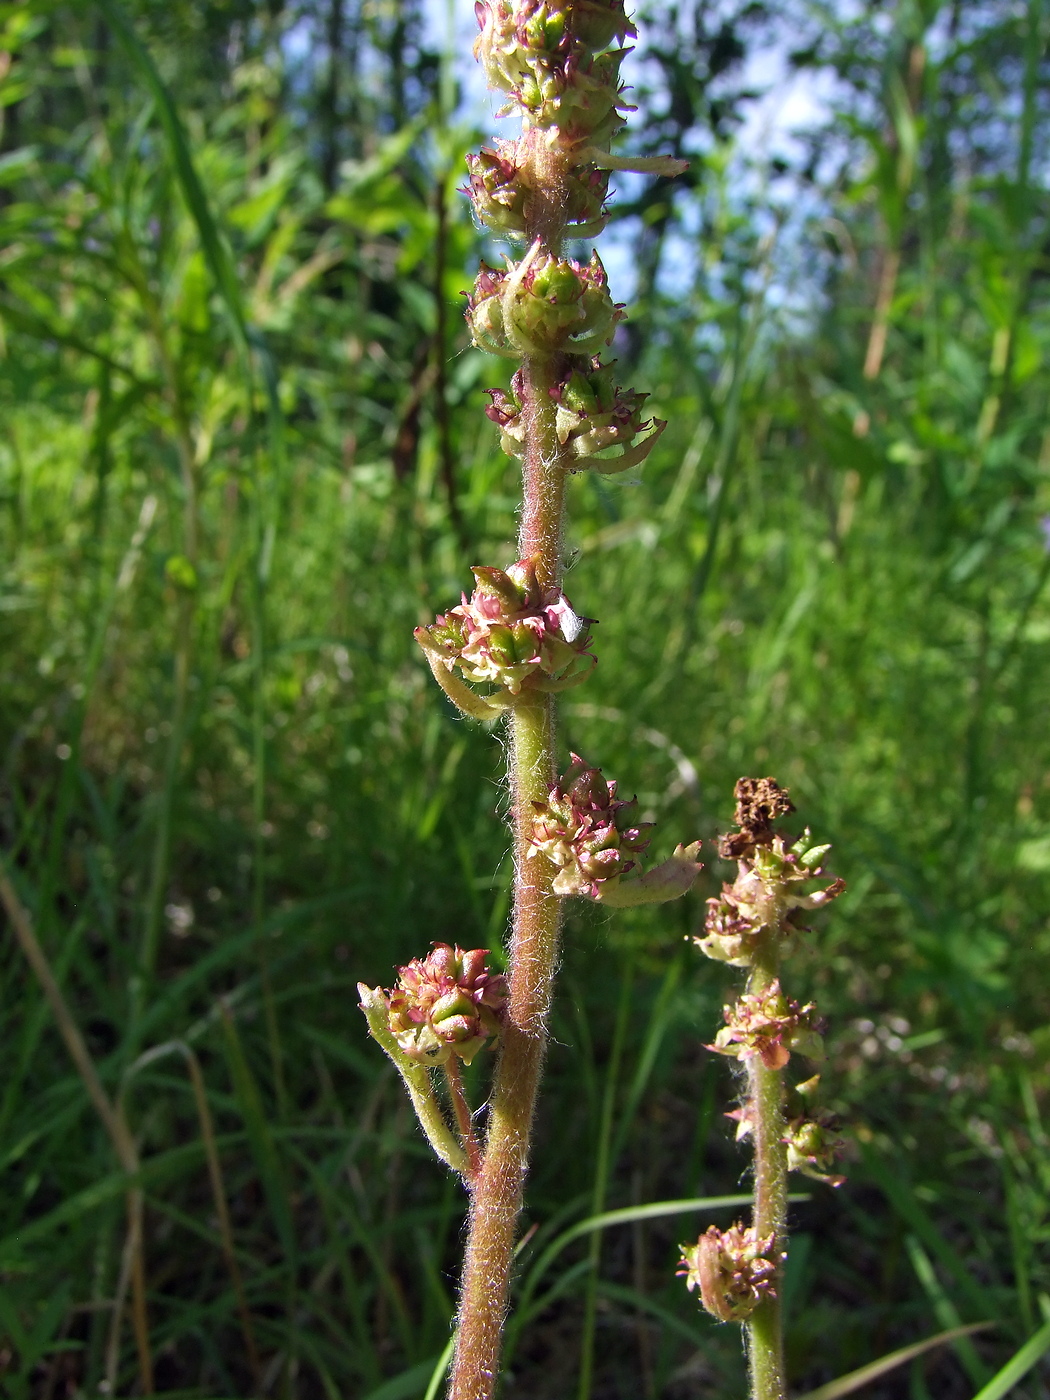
[454,1079]
[497,1188]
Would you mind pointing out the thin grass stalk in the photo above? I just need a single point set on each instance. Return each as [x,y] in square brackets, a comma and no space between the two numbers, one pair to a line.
[602,1169]
[182,654]
[133,1267]
[260,567]
[215,1178]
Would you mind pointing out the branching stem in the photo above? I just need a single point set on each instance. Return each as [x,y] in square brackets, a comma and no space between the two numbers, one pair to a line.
[454,1079]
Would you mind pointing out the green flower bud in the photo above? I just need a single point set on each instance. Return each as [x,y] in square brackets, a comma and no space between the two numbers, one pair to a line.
[541,306]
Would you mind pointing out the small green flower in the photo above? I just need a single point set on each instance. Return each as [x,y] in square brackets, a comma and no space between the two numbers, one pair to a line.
[594,414]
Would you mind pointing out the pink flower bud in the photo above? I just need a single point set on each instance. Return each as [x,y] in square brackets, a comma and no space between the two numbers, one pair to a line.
[734,1270]
[446,1004]
[583,829]
[513,635]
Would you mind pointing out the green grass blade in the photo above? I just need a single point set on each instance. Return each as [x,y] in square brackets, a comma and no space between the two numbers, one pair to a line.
[946,1312]
[908,1206]
[1018,1366]
[214,248]
[846,1385]
[626,1216]
[621,1294]
[444,1362]
[250,1105]
[408,1383]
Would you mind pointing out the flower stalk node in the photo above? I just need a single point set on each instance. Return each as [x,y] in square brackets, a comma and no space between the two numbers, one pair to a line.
[811,1132]
[543,306]
[594,415]
[502,190]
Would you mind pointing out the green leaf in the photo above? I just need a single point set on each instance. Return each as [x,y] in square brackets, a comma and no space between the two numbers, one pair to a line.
[215,249]
[1018,1366]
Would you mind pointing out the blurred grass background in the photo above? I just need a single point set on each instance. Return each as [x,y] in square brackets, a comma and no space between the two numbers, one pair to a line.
[244,454]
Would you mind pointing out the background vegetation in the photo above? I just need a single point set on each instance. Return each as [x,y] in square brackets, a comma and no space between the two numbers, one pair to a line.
[243,455]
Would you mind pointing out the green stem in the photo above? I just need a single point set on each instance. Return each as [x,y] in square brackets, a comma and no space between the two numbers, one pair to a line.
[766,1089]
[497,1190]
[416,1079]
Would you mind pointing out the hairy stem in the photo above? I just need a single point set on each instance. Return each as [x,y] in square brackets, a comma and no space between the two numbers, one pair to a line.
[766,1089]
[454,1080]
[497,1189]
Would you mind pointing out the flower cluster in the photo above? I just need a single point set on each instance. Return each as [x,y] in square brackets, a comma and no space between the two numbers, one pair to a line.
[734,1269]
[552,58]
[811,1133]
[512,634]
[593,414]
[769,1026]
[503,199]
[769,891]
[585,831]
[448,1003]
[542,305]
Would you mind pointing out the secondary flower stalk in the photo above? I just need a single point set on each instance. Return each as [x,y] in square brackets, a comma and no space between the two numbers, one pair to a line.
[752,924]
